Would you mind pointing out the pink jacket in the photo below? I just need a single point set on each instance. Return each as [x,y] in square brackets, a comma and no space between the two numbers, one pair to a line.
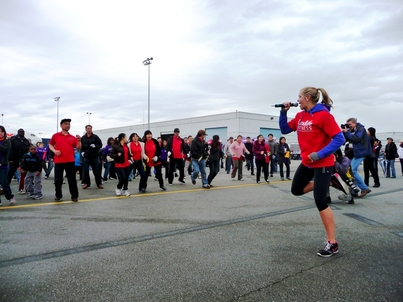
[237,150]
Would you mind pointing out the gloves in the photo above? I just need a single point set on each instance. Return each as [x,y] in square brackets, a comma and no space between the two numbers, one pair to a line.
[169,153]
[82,154]
[92,145]
[155,158]
[314,156]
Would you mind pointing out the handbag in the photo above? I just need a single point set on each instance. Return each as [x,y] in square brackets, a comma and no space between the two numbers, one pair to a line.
[109,159]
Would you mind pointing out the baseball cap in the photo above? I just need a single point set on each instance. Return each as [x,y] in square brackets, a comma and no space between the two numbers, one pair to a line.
[65,120]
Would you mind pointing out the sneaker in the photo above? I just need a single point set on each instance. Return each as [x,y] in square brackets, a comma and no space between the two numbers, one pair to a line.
[240,179]
[125,193]
[37,197]
[12,201]
[267,181]
[233,178]
[338,183]
[258,182]
[170,184]
[31,195]
[142,190]
[118,192]
[252,174]
[376,185]
[163,188]
[206,187]
[22,192]
[57,198]
[193,181]
[46,177]
[289,178]
[271,175]
[329,250]
[282,178]
[364,192]
[85,186]
[100,187]
[74,199]
[181,181]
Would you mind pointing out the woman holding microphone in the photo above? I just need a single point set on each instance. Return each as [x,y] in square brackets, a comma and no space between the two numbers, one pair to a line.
[319,136]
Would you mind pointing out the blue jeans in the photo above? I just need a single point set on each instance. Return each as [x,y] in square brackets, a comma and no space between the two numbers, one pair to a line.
[108,166]
[228,163]
[355,163]
[4,183]
[199,166]
[390,165]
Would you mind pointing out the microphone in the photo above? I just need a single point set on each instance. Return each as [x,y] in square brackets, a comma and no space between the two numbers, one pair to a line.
[282,105]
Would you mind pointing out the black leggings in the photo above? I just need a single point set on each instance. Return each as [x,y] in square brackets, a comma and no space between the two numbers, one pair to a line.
[321,178]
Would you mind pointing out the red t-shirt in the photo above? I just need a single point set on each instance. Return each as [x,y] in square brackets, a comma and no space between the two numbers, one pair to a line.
[65,144]
[136,150]
[315,131]
[177,147]
[150,150]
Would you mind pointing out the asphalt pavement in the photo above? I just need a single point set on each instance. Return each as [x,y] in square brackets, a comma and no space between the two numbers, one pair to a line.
[238,241]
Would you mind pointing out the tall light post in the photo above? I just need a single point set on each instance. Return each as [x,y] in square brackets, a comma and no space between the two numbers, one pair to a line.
[2,116]
[89,118]
[147,62]
[57,98]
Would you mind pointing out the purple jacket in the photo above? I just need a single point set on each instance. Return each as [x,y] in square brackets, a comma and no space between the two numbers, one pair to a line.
[257,150]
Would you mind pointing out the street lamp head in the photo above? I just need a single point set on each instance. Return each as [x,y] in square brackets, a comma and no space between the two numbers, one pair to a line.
[56,98]
[147,61]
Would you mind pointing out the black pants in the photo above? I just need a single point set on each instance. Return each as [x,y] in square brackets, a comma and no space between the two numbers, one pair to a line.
[12,167]
[287,168]
[70,169]
[94,163]
[158,175]
[214,166]
[321,178]
[123,176]
[369,166]
[138,165]
[261,164]
[179,163]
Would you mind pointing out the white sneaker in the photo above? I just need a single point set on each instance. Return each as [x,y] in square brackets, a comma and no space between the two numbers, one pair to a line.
[12,201]
[118,192]
[233,178]
[241,179]
[126,193]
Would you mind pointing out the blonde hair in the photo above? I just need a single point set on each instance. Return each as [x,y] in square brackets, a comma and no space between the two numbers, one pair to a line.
[315,95]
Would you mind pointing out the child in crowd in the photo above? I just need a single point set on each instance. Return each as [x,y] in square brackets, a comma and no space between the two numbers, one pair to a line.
[31,164]
[77,162]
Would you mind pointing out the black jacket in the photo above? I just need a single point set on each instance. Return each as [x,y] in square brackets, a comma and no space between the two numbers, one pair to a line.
[249,147]
[19,146]
[118,148]
[216,153]
[390,151]
[5,147]
[281,152]
[31,162]
[86,142]
[198,149]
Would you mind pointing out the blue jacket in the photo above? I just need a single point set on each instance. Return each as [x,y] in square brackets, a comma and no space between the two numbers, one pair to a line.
[360,140]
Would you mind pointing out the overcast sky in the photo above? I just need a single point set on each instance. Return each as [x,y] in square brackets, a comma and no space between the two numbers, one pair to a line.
[210,56]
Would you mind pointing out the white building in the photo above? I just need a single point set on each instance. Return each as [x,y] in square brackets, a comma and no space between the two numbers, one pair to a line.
[224,125]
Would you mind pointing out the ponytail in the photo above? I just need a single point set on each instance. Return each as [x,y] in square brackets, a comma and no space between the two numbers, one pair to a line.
[315,95]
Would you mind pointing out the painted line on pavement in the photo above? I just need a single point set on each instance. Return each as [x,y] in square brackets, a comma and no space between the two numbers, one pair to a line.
[132,196]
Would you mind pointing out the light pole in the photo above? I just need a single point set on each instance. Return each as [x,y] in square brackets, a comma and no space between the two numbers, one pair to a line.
[57,98]
[89,118]
[147,62]
[2,116]
[40,134]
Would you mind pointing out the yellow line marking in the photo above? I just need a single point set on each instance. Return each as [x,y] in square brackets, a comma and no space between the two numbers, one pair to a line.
[135,196]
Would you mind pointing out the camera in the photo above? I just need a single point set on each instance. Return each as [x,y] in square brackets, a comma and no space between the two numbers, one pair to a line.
[344,126]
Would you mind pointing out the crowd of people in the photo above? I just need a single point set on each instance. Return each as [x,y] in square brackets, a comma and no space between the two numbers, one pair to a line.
[123,158]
